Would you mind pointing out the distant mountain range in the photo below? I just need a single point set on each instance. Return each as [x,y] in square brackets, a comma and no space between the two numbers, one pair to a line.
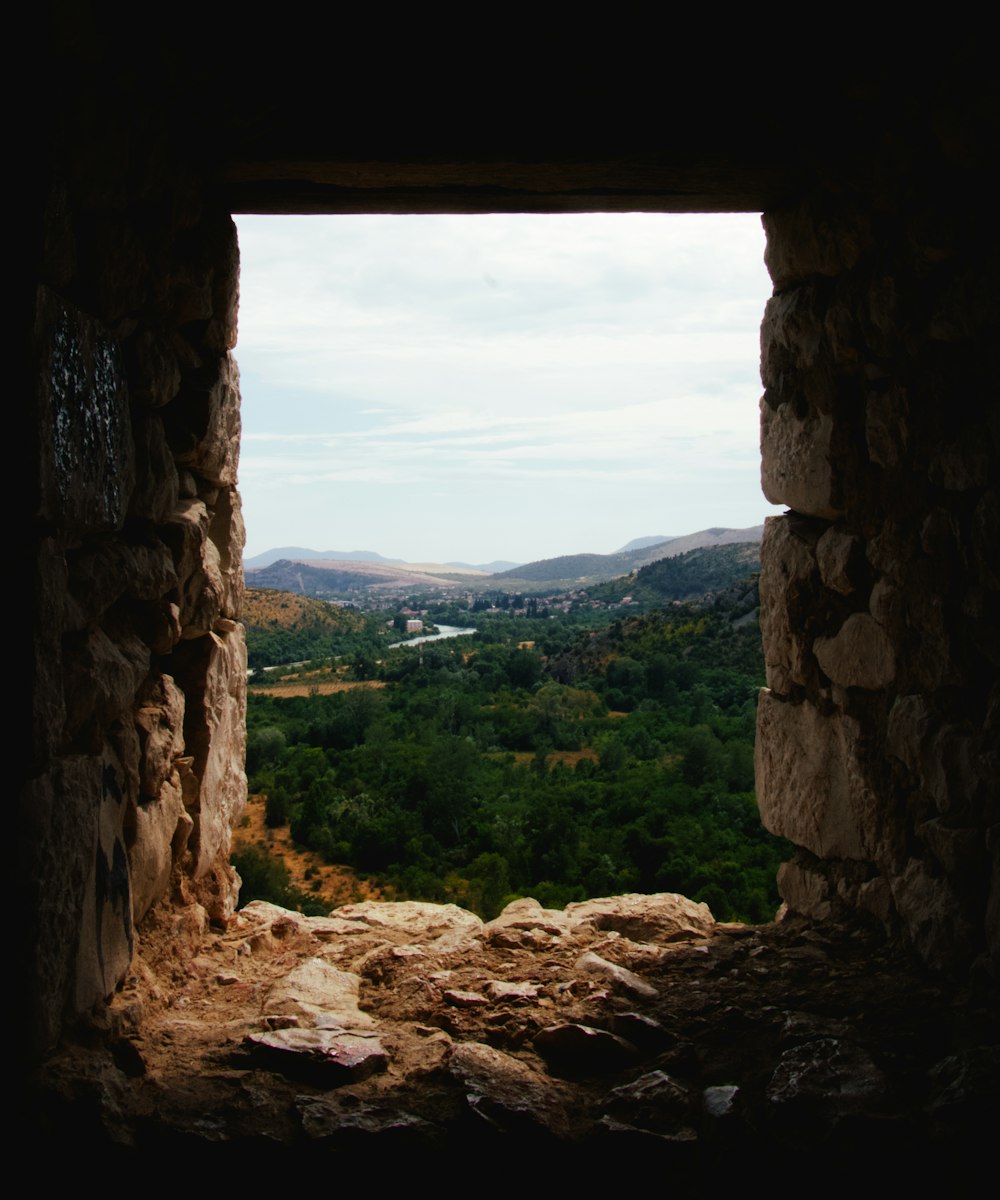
[581,569]
[301,554]
[313,572]
[641,543]
[491,568]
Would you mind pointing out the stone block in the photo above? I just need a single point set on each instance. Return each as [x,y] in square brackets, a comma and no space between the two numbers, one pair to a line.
[221,331]
[788,582]
[887,423]
[962,462]
[98,576]
[204,424]
[319,995]
[936,922]
[660,917]
[805,891]
[874,896]
[157,488]
[858,655]
[791,335]
[842,337]
[102,678]
[196,561]
[813,784]
[840,560]
[114,251]
[960,850]
[944,759]
[159,625]
[798,461]
[228,534]
[190,292]
[819,237]
[154,371]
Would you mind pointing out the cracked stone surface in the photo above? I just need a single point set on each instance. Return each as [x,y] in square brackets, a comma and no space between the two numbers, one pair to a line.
[423,1029]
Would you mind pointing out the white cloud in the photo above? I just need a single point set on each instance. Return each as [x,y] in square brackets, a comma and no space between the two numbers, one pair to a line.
[580,359]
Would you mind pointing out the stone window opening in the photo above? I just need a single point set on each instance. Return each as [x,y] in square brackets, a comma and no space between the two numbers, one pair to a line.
[874,163]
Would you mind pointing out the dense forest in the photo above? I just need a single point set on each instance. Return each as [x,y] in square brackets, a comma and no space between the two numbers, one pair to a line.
[557,757]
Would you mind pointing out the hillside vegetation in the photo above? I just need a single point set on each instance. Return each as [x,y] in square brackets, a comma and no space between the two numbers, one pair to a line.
[590,569]
[283,627]
[687,576]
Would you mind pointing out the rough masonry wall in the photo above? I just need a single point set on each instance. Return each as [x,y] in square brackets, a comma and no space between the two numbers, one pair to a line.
[138,708]
[878,734]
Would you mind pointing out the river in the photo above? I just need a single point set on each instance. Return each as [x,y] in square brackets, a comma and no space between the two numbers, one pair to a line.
[444,631]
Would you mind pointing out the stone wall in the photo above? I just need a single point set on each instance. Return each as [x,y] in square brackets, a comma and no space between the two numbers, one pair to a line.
[138,708]
[878,734]
[877,749]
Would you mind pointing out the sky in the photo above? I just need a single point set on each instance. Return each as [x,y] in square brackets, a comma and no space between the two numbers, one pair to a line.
[469,388]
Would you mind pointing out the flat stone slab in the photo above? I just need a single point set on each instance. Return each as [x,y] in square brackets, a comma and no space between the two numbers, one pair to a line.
[319,994]
[325,1058]
[465,999]
[500,989]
